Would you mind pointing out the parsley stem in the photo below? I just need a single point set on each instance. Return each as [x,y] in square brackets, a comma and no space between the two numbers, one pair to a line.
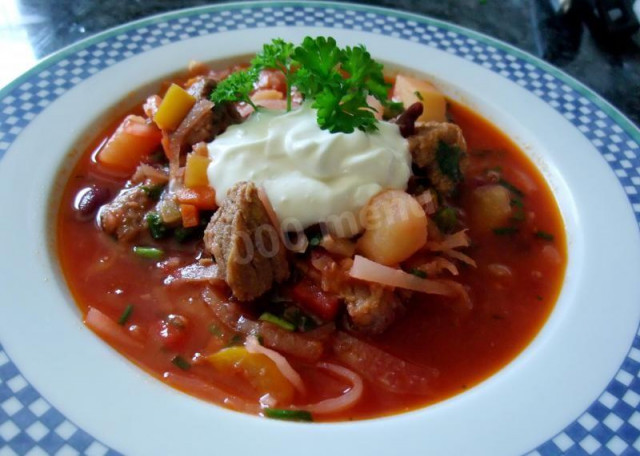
[289,415]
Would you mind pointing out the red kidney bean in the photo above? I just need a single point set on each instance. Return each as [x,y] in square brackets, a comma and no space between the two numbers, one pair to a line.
[88,200]
[407,120]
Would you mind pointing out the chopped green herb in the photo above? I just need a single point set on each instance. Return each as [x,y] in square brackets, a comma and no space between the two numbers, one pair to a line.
[315,240]
[517,202]
[181,363]
[448,158]
[505,230]
[418,273]
[215,330]
[157,228]
[236,339]
[151,253]
[284,324]
[289,415]
[539,298]
[543,235]
[447,219]
[301,321]
[158,157]
[509,186]
[153,191]
[418,95]
[125,315]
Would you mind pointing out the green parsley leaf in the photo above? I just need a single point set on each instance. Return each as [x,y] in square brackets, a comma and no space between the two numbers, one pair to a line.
[236,87]
[277,56]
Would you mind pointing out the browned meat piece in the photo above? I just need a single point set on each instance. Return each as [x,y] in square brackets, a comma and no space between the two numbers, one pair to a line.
[245,244]
[424,145]
[124,216]
[201,87]
[371,308]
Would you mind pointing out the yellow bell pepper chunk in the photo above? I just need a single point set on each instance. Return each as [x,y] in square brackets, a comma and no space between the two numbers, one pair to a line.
[174,107]
[195,173]
[262,373]
[411,90]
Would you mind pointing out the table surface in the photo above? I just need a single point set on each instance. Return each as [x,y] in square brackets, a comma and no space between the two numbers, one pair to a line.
[32,29]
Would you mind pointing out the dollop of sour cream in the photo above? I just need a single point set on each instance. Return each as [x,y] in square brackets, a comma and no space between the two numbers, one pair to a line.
[308,173]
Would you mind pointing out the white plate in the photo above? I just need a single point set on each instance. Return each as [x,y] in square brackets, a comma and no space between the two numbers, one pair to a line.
[574,389]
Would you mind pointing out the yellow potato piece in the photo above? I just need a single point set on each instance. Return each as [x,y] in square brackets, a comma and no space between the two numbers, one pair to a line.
[490,208]
[174,107]
[411,90]
[195,173]
[395,228]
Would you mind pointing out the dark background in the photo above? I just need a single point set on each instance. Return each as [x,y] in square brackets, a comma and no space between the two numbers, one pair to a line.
[609,65]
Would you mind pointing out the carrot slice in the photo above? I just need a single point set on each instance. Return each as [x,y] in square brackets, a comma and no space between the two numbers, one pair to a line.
[190,216]
[201,197]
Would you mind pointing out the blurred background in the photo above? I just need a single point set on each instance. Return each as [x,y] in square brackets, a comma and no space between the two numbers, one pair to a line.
[595,41]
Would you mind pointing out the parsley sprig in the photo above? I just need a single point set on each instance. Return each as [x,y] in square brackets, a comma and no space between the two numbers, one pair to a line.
[338,80]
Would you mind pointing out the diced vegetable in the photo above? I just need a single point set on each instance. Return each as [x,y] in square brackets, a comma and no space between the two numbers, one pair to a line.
[134,140]
[151,253]
[281,322]
[202,197]
[169,210]
[174,107]
[195,172]
[490,208]
[410,90]
[261,372]
[395,227]
[289,415]
[315,301]
[190,215]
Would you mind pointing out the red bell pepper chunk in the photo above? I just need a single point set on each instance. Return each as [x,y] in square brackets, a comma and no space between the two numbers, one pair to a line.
[315,300]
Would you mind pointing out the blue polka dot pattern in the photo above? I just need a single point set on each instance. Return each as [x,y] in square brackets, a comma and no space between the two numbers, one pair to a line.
[610,426]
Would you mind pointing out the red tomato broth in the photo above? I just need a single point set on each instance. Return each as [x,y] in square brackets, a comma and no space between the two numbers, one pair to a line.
[466,348]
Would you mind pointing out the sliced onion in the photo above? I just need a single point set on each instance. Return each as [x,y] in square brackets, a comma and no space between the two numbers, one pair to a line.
[253,346]
[346,400]
[437,265]
[110,330]
[452,241]
[371,271]
[461,256]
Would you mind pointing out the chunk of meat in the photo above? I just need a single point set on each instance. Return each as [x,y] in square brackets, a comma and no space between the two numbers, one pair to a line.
[245,244]
[124,216]
[424,145]
[371,308]
[201,87]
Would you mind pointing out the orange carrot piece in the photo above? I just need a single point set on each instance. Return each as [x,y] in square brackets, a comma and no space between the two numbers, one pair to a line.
[190,216]
[202,197]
